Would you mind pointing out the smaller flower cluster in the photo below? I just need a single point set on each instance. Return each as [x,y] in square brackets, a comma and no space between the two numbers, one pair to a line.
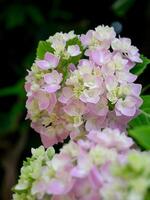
[131,178]
[31,171]
[82,83]
[81,171]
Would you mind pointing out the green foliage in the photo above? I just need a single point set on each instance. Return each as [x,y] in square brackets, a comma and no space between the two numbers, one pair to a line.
[17,15]
[9,121]
[140,126]
[144,117]
[141,134]
[35,14]
[74,41]
[140,67]
[66,15]
[16,89]
[43,47]
[14,16]
[75,59]
[64,63]
[63,68]
[121,7]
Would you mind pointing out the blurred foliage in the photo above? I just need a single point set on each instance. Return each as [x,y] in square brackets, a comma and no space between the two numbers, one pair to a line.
[144,116]
[23,24]
[16,15]
[140,67]
[13,90]
[139,127]
[141,134]
[10,120]
[121,7]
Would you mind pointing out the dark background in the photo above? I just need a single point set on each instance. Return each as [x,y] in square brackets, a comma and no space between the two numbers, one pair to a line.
[22,24]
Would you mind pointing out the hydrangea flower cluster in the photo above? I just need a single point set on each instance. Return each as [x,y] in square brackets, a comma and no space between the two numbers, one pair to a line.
[81,86]
[80,83]
[80,171]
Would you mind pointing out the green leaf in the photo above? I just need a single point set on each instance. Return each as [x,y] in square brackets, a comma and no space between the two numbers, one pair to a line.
[64,64]
[144,117]
[74,41]
[17,89]
[75,59]
[140,67]
[144,89]
[63,68]
[141,135]
[121,7]
[43,47]
[147,196]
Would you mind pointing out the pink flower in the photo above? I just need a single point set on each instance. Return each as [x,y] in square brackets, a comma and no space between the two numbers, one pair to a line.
[27,87]
[50,61]
[99,109]
[75,108]
[128,106]
[83,167]
[111,138]
[95,123]
[66,95]
[92,82]
[135,89]
[63,197]
[47,139]
[116,64]
[120,122]
[85,66]
[49,136]
[83,190]
[46,102]
[95,178]
[72,67]
[124,45]
[87,39]
[125,76]
[52,81]
[134,55]
[84,144]
[91,95]
[100,56]
[111,82]
[39,187]
[61,162]
[61,185]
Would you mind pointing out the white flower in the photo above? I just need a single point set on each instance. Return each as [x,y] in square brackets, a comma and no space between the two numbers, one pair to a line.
[73,50]
[105,33]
